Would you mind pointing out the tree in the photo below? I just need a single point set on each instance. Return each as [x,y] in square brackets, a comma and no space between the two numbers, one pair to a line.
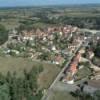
[44,56]
[4,92]
[20,88]
[9,78]
[97,51]
[3,34]
[97,95]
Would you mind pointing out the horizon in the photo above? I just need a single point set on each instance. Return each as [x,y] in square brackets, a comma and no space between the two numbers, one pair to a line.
[56,5]
[25,3]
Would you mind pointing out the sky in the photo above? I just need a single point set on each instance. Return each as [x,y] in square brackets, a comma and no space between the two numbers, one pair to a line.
[9,3]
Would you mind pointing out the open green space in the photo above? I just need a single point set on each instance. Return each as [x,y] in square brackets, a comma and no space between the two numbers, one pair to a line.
[58,95]
[18,65]
[48,75]
[85,71]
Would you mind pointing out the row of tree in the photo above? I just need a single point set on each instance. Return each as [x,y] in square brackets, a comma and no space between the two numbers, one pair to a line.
[82,22]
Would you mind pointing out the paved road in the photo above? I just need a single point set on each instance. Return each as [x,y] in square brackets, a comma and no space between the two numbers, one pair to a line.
[60,86]
[53,85]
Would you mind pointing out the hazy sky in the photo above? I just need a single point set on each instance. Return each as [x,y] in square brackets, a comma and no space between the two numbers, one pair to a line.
[43,2]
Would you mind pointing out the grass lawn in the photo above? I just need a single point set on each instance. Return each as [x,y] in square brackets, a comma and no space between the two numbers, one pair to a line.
[48,75]
[19,64]
[85,71]
[15,64]
[57,95]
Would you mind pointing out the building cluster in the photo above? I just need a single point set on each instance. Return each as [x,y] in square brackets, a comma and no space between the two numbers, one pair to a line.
[72,69]
[44,33]
[58,42]
[91,82]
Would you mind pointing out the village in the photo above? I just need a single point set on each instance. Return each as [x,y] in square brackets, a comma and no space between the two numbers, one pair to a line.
[53,44]
[68,47]
[80,72]
[49,50]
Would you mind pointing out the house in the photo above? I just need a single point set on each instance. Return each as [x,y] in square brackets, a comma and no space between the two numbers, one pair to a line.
[73,68]
[71,47]
[97,36]
[51,37]
[58,60]
[15,52]
[14,31]
[74,29]
[91,54]
[61,33]
[53,48]
[27,35]
[82,51]
[68,78]
[78,57]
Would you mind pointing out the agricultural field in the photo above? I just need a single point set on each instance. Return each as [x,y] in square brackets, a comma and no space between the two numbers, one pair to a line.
[59,15]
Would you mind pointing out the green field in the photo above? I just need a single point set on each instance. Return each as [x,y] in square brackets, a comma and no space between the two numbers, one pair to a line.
[85,72]
[41,16]
[19,64]
[15,64]
[48,75]
[58,95]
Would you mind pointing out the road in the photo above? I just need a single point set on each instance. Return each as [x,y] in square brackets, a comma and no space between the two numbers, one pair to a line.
[88,30]
[60,86]
[46,96]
